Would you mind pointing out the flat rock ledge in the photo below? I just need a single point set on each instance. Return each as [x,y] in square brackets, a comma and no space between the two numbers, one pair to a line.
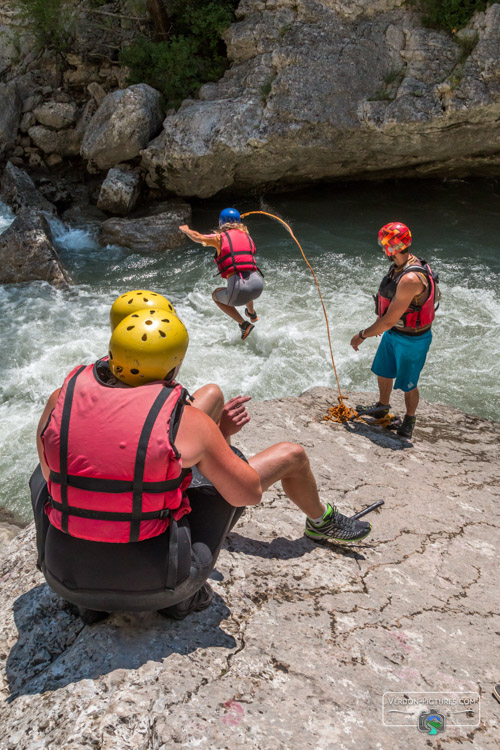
[302,641]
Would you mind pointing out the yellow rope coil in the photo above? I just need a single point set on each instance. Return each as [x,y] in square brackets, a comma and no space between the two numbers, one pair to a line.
[340,413]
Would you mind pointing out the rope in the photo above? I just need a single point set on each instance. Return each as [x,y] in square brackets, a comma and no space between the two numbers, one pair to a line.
[340,413]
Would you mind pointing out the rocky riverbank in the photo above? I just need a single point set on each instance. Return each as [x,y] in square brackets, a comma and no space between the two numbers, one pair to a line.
[302,641]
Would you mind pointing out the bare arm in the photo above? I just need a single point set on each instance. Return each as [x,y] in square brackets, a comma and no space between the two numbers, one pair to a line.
[408,288]
[213,240]
[201,444]
[41,426]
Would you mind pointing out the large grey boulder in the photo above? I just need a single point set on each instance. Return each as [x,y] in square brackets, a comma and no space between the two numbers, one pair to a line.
[27,252]
[156,232]
[119,191]
[333,91]
[123,124]
[19,191]
[301,641]
[10,116]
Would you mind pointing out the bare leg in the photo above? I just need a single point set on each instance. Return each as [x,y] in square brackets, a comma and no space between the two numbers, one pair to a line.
[231,311]
[385,390]
[411,401]
[210,399]
[288,462]
[250,307]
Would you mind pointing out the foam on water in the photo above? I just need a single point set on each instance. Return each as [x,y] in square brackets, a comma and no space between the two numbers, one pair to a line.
[46,332]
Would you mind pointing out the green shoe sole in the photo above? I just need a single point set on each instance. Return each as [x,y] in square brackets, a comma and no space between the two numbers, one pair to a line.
[317,536]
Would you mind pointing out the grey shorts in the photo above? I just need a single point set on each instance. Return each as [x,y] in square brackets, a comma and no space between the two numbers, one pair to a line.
[241,290]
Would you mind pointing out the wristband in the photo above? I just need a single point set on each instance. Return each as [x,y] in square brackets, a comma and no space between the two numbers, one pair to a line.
[363,338]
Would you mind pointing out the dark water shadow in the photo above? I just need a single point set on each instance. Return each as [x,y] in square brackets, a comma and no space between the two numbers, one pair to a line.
[381,436]
[282,548]
[55,649]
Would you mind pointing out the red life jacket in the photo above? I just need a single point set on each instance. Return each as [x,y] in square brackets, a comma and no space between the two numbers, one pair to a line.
[416,317]
[237,253]
[115,474]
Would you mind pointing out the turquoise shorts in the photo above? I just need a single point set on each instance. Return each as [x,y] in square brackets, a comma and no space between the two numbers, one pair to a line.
[402,357]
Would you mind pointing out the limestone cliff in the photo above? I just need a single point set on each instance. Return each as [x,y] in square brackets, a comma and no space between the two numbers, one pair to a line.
[337,90]
[316,90]
[301,641]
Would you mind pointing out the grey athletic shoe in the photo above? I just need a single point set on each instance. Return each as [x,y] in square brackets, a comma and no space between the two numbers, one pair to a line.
[337,528]
[373,410]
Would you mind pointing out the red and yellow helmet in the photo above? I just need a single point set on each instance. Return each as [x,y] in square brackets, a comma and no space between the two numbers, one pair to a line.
[394,238]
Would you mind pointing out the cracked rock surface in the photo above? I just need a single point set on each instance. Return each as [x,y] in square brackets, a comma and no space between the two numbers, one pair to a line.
[302,641]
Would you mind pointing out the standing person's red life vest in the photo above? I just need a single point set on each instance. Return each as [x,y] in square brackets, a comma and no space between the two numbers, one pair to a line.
[115,474]
[237,253]
[416,317]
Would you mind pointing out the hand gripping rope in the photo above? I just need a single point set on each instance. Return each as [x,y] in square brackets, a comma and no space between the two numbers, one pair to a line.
[341,413]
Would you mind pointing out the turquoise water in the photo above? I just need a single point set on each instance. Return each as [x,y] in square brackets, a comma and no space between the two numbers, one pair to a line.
[455,226]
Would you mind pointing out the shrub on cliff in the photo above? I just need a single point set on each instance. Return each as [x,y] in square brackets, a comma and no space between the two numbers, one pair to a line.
[50,22]
[449,15]
[193,54]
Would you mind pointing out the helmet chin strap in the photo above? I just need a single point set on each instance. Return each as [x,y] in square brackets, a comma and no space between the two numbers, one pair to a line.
[172,375]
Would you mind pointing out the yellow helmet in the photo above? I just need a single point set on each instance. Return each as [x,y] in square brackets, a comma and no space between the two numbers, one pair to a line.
[138,299]
[147,345]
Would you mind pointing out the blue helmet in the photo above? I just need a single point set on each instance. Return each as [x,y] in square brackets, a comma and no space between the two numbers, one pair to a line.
[229,216]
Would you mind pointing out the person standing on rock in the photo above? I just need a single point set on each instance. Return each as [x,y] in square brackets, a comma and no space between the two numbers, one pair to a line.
[138,486]
[235,260]
[405,305]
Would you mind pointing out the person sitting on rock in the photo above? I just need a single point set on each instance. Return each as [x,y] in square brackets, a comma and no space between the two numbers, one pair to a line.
[138,486]
[235,260]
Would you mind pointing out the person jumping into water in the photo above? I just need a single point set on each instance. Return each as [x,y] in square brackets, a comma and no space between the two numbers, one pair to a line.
[235,260]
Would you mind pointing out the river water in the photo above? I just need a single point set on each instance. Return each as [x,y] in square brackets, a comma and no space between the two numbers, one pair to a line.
[455,226]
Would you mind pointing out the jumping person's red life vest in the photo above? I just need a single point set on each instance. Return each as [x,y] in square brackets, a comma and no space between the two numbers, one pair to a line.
[237,253]
[115,474]
[417,318]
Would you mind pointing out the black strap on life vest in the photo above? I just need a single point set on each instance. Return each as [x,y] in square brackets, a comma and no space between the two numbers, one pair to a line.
[94,484]
[140,459]
[63,447]
[111,515]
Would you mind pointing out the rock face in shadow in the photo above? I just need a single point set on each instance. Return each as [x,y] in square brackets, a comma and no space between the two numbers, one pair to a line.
[156,232]
[10,115]
[302,641]
[337,90]
[18,191]
[27,252]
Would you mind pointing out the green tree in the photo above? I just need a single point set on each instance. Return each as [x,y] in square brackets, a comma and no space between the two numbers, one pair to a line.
[50,21]
[193,54]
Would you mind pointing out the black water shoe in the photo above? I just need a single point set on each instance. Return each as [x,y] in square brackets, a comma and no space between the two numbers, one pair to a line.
[87,616]
[246,328]
[196,603]
[253,316]
[406,429]
[373,410]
